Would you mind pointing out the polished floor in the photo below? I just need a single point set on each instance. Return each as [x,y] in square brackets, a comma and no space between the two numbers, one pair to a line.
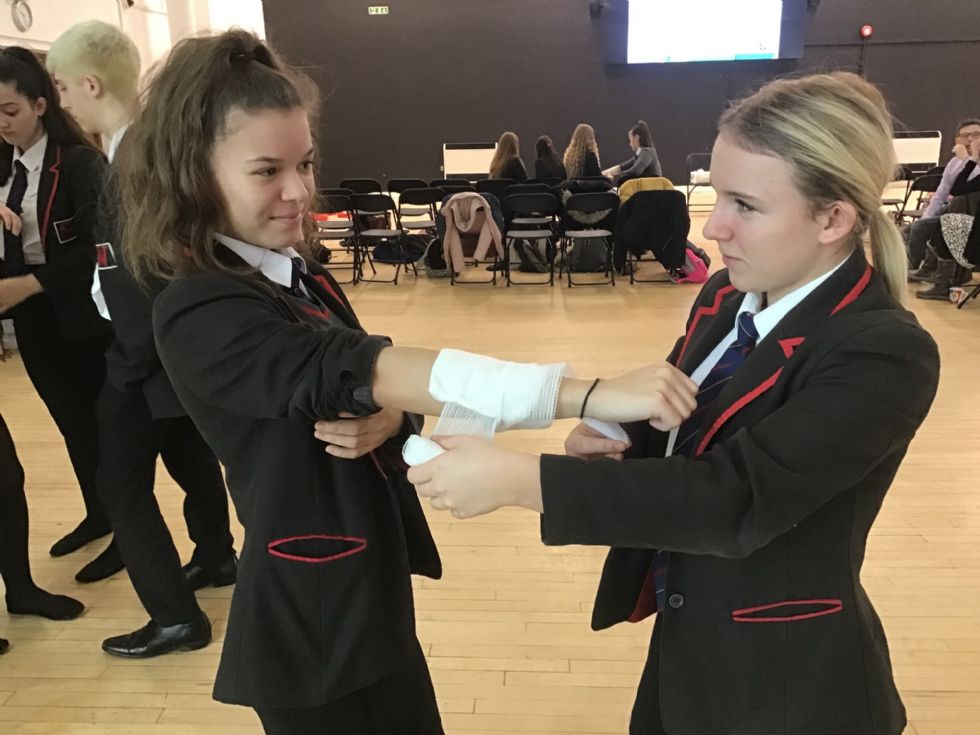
[506,631]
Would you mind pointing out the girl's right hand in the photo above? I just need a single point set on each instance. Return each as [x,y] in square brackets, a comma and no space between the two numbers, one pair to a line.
[11,221]
[586,443]
[660,394]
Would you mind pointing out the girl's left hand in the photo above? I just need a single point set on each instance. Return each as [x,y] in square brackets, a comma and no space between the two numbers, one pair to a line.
[474,477]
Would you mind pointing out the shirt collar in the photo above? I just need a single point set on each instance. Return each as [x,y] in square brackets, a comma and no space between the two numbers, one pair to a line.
[33,157]
[766,319]
[276,265]
[113,145]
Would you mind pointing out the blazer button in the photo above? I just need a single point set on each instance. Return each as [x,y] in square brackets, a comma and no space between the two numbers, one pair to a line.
[676,601]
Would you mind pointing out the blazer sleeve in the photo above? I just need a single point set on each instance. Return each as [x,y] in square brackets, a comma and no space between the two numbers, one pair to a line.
[863,402]
[84,173]
[963,184]
[228,344]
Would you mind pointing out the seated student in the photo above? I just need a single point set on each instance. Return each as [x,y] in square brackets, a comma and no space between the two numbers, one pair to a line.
[956,242]
[548,164]
[922,262]
[745,529]
[261,343]
[643,164]
[582,154]
[507,163]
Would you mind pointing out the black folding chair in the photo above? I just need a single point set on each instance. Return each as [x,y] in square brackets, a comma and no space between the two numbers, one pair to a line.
[921,186]
[338,235]
[420,202]
[397,186]
[497,187]
[550,181]
[531,218]
[575,234]
[362,186]
[392,233]
[494,262]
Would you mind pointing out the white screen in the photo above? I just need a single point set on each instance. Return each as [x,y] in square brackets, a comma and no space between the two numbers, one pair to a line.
[703,30]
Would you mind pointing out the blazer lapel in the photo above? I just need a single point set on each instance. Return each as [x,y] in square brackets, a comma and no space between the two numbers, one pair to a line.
[48,188]
[708,327]
[763,368]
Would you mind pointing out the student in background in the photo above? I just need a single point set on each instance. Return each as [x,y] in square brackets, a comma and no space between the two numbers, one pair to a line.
[50,178]
[582,154]
[507,163]
[96,67]
[643,164]
[548,164]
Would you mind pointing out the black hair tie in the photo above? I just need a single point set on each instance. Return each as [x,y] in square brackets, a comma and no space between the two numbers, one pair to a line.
[243,56]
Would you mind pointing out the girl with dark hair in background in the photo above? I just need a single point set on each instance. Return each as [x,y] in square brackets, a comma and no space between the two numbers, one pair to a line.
[644,163]
[51,177]
[548,164]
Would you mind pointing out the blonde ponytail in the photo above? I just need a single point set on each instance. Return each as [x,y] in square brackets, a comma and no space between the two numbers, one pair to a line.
[888,253]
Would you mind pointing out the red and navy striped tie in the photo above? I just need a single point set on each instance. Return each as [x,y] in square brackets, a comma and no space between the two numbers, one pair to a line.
[690,430]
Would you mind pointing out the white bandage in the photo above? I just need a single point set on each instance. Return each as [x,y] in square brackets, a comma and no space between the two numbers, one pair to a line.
[608,429]
[419,450]
[519,395]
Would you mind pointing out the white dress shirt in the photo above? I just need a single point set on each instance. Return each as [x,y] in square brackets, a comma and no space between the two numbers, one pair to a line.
[30,234]
[765,320]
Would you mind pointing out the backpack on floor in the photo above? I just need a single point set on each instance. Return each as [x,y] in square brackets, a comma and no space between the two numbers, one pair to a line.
[535,255]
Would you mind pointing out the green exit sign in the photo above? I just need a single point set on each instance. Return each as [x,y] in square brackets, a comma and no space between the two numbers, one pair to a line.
[377,10]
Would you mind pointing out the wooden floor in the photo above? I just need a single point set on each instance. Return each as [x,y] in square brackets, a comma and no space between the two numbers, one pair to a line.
[506,631]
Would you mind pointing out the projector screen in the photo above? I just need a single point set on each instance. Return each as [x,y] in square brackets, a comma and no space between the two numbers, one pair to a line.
[665,31]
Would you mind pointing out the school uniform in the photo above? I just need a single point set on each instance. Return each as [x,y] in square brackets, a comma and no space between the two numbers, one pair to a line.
[764,625]
[141,419]
[322,617]
[60,335]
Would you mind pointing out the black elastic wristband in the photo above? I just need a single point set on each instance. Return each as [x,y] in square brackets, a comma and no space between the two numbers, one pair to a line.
[586,401]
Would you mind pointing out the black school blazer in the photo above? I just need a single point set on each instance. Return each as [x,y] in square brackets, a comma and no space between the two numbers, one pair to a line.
[323,604]
[67,198]
[768,629]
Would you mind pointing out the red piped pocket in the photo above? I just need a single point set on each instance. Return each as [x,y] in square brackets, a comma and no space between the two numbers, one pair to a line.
[316,548]
[788,611]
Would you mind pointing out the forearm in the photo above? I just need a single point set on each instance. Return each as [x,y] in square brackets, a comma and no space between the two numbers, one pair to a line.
[402,377]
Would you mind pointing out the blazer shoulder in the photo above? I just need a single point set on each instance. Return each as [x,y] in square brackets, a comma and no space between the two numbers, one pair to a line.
[83,158]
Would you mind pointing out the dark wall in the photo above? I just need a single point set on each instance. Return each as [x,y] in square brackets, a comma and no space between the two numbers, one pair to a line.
[397,87]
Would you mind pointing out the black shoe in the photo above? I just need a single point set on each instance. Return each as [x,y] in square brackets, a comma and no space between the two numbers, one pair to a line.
[925,274]
[103,566]
[86,532]
[220,576]
[4,645]
[155,640]
[39,602]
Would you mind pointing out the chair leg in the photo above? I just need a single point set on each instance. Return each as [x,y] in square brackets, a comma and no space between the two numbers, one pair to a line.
[972,295]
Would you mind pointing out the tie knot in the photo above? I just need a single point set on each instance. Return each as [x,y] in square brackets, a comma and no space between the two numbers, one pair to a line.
[748,335]
[19,166]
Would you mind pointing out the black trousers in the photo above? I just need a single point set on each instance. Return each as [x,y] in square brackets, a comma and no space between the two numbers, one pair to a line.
[131,442]
[15,569]
[68,377]
[646,718]
[403,702]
